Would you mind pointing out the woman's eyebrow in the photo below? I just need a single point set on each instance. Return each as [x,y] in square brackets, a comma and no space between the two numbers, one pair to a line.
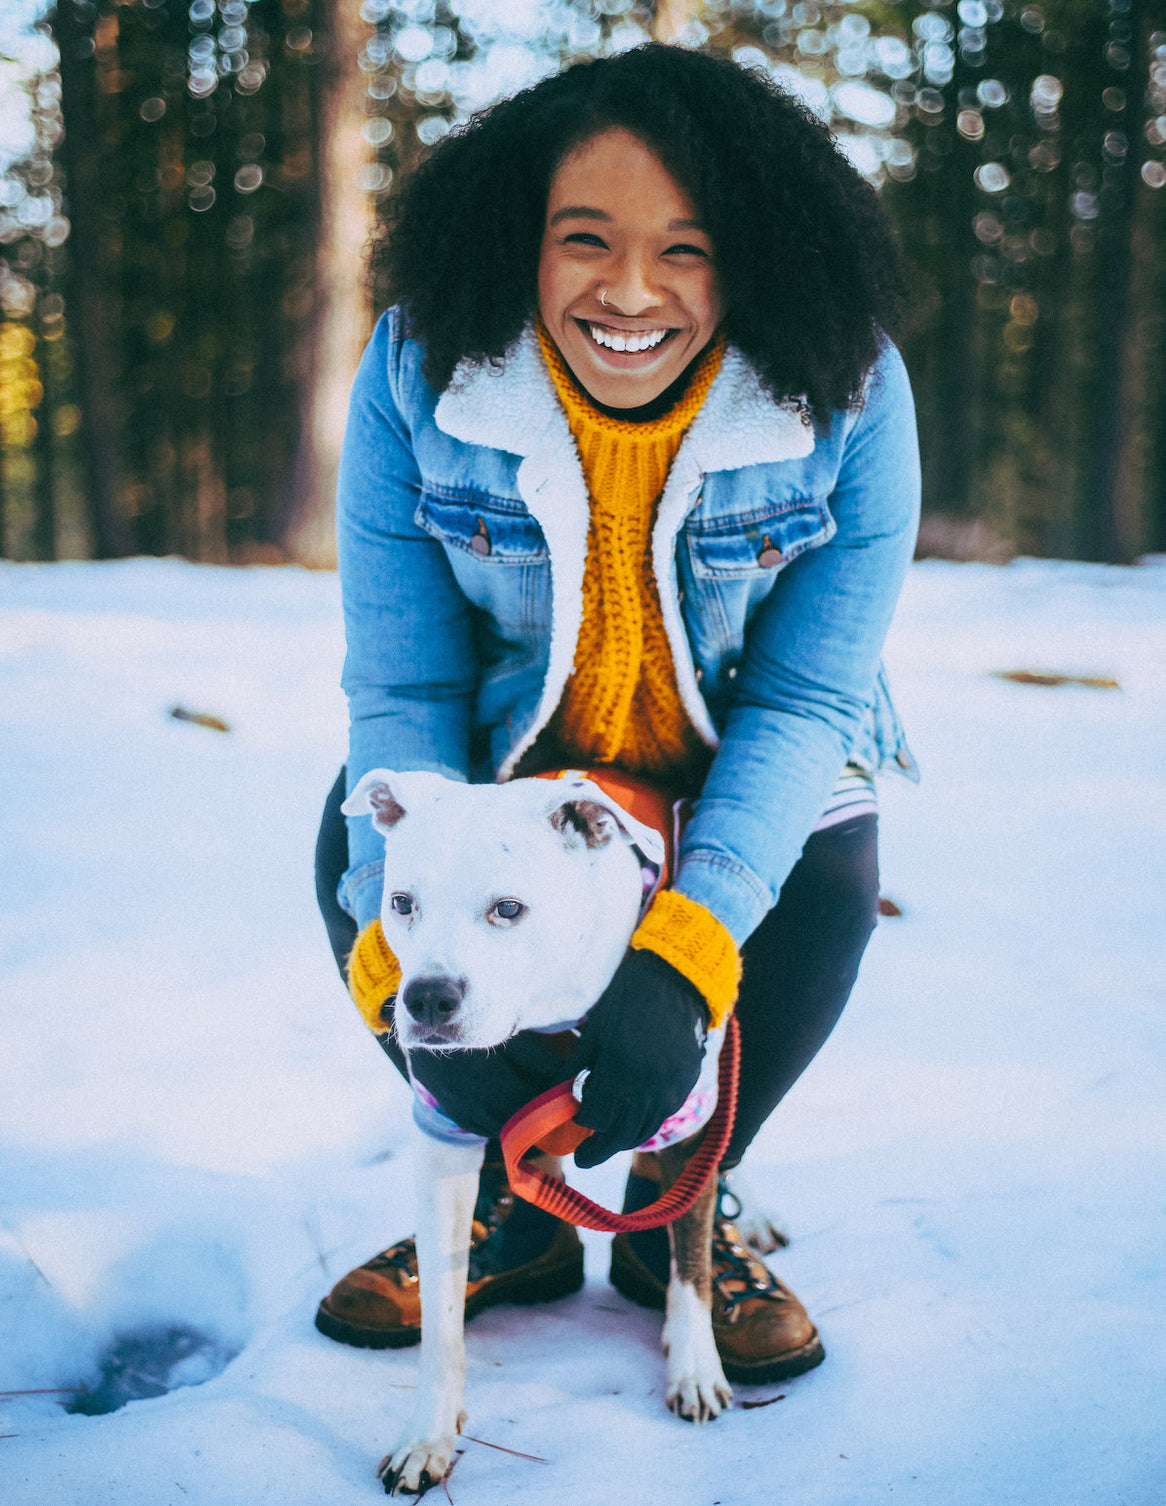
[578,212]
[585,212]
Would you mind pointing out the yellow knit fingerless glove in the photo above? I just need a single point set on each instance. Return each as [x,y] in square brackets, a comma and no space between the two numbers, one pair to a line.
[697,945]
[374,975]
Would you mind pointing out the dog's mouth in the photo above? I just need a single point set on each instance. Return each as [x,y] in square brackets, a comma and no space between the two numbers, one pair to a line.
[451,1037]
[433,1037]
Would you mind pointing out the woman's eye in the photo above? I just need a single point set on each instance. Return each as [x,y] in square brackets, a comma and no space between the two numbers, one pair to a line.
[583,238]
[509,909]
[402,904]
[686,250]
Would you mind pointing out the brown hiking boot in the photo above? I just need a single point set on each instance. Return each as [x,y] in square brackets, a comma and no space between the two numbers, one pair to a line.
[518,1253]
[763,1333]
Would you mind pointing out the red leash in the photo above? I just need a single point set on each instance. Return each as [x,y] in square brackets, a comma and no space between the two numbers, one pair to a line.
[549,1121]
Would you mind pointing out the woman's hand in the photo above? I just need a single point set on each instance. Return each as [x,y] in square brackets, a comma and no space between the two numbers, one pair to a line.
[644,1043]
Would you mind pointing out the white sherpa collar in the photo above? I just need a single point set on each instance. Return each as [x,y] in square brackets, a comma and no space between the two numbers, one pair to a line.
[512,406]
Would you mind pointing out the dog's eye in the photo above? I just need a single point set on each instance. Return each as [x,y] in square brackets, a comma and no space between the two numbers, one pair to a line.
[509,909]
[402,904]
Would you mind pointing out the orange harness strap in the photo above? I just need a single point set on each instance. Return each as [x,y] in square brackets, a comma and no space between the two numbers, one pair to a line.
[549,1121]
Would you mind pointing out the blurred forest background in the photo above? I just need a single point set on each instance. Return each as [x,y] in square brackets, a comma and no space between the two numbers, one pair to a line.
[188,189]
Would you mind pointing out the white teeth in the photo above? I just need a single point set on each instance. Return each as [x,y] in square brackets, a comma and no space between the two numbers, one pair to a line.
[646,341]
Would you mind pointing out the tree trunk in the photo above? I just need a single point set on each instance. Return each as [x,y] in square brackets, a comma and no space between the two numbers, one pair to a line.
[342,317]
[1155,531]
[93,340]
[44,533]
[1106,531]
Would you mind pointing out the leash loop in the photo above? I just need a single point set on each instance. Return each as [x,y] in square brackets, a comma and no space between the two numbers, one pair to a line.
[549,1121]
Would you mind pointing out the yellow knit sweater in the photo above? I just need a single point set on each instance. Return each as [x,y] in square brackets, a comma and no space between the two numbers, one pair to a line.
[621,705]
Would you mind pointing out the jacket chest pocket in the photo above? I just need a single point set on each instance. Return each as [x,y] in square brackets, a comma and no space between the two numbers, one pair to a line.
[488,529]
[757,544]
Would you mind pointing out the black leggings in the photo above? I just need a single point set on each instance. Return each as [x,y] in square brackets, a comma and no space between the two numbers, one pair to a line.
[798,966]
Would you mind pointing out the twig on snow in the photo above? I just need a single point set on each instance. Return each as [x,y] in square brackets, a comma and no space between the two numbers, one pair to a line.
[45,1391]
[1031,677]
[16,1239]
[199,718]
[518,1454]
[316,1237]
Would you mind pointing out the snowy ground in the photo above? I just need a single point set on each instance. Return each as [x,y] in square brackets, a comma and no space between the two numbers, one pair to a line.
[195,1130]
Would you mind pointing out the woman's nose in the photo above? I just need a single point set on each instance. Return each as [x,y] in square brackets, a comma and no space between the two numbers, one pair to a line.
[632,289]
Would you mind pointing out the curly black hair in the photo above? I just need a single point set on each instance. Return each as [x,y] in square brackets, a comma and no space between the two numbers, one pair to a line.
[808,267]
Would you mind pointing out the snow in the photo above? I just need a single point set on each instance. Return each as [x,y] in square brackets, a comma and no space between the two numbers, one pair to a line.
[196,1131]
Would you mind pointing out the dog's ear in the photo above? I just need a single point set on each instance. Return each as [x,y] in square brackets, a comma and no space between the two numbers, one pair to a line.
[386,795]
[596,817]
[585,818]
[374,797]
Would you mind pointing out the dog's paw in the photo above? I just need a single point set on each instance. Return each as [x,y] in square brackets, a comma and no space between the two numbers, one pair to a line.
[757,1225]
[698,1398]
[697,1388]
[417,1465]
[761,1234]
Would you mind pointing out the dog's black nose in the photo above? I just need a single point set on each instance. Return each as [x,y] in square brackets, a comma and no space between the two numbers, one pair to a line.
[434,1001]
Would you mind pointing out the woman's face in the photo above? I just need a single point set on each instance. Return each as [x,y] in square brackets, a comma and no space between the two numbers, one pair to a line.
[624,262]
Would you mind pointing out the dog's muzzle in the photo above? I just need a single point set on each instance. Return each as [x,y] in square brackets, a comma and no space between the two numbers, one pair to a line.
[434,1003]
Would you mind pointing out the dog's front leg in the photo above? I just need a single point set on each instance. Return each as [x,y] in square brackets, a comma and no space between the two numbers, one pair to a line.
[697,1388]
[447,1188]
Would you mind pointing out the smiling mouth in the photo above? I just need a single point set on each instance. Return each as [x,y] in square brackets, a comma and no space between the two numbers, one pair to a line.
[628,342]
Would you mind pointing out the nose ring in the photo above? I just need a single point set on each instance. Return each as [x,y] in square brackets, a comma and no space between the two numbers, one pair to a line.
[603,297]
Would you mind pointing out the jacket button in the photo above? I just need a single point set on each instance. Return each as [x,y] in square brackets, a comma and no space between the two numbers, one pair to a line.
[480,543]
[769,555]
[903,758]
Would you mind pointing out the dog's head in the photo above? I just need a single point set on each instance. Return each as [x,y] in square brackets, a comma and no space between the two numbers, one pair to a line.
[508,906]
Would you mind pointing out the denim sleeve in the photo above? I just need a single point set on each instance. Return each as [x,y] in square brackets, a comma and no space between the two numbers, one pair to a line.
[410,671]
[809,667]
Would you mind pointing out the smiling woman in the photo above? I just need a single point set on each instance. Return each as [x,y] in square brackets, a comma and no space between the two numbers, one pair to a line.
[630,485]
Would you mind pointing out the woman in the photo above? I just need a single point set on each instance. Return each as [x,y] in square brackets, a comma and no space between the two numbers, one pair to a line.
[630,482]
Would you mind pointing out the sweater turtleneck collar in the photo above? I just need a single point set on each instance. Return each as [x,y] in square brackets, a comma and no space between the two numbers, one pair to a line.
[673,410]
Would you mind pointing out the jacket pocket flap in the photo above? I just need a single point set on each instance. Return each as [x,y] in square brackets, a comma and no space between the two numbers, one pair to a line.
[758,543]
[492,529]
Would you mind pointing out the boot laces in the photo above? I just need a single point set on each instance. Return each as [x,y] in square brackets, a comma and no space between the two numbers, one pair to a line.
[491,1210]
[737,1275]
[493,1204]
[400,1259]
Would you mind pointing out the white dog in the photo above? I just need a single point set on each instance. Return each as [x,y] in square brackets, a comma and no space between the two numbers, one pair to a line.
[509,908]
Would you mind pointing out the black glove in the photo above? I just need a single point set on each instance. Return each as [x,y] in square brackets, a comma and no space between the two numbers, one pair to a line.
[644,1042]
[480,1090]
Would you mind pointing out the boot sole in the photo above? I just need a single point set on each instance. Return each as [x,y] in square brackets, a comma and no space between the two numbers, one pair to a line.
[540,1286]
[765,1372]
[642,1288]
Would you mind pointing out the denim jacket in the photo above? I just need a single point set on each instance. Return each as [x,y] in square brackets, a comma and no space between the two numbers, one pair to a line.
[779,550]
